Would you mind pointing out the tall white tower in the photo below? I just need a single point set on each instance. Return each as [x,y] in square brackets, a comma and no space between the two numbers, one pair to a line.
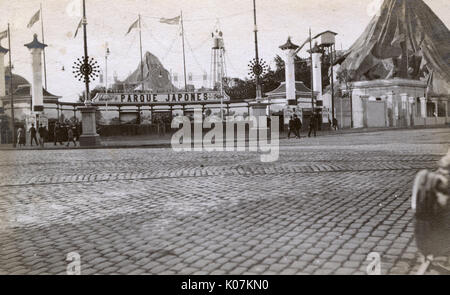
[218,70]
[36,49]
[289,68]
[317,69]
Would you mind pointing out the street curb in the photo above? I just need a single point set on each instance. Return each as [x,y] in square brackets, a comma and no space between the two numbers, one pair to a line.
[168,145]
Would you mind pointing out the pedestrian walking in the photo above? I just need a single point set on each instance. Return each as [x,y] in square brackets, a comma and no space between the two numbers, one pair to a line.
[312,125]
[298,125]
[20,136]
[70,137]
[42,134]
[335,124]
[291,127]
[33,135]
[57,134]
[76,135]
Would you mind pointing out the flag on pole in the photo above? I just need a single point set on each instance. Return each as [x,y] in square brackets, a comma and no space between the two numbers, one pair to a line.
[170,21]
[3,35]
[78,27]
[34,19]
[133,26]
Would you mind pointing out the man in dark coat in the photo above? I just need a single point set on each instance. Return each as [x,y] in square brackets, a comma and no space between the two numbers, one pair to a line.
[335,124]
[33,135]
[57,136]
[298,125]
[291,127]
[42,134]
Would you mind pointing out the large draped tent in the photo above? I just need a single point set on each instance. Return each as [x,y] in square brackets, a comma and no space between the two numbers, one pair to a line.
[404,40]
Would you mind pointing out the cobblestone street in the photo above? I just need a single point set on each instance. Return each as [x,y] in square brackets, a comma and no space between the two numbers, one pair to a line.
[320,209]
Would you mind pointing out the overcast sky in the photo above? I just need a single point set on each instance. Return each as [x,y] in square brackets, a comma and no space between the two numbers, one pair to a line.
[109,20]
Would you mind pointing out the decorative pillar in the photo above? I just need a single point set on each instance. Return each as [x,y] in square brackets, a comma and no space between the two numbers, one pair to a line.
[317,69]
[3,51]
[446,112]
[89,136]
[390,108]
[436,112]
[404,109]
[423,107]
[37,98]
[290,52]
[411,112]
[364,100]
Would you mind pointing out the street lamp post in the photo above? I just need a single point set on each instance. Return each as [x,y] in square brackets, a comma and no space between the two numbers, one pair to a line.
[87,69]
[106,69]
[332,78]
[107,53]
[87,100]
[351,106]
[11,91]
[257,78]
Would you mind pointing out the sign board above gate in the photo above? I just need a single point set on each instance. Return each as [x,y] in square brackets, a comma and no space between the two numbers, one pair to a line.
[160,98]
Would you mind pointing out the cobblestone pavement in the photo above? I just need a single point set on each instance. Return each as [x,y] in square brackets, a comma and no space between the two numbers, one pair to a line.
[320,209]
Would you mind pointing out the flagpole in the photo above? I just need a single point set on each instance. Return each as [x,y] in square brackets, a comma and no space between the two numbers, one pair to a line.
[86,58]
[184,56]
[312,81]
[11,90]
[257,78]
[43,41]
[142,61]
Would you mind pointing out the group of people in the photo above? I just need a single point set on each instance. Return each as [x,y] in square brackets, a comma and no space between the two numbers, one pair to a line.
[295,125]
[42,131]
[69,131]
[60,133]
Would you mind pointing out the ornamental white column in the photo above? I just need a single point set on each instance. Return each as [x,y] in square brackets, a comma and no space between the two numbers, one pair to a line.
[317,69]
[36,49]
[423,107]
[404,110]
[289,67]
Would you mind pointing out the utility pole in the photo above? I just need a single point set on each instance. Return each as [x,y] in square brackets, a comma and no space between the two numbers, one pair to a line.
[106,75]
[312,80]
[87,100]
[43,41]
[142,61]
[258,86]
[11,90]
[184,56]
[332,80]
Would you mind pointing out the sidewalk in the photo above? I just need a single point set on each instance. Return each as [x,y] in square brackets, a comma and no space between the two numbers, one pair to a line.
[145,141]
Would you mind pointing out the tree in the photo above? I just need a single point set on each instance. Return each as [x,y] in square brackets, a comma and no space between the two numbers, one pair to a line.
[346,77]
[246,89]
